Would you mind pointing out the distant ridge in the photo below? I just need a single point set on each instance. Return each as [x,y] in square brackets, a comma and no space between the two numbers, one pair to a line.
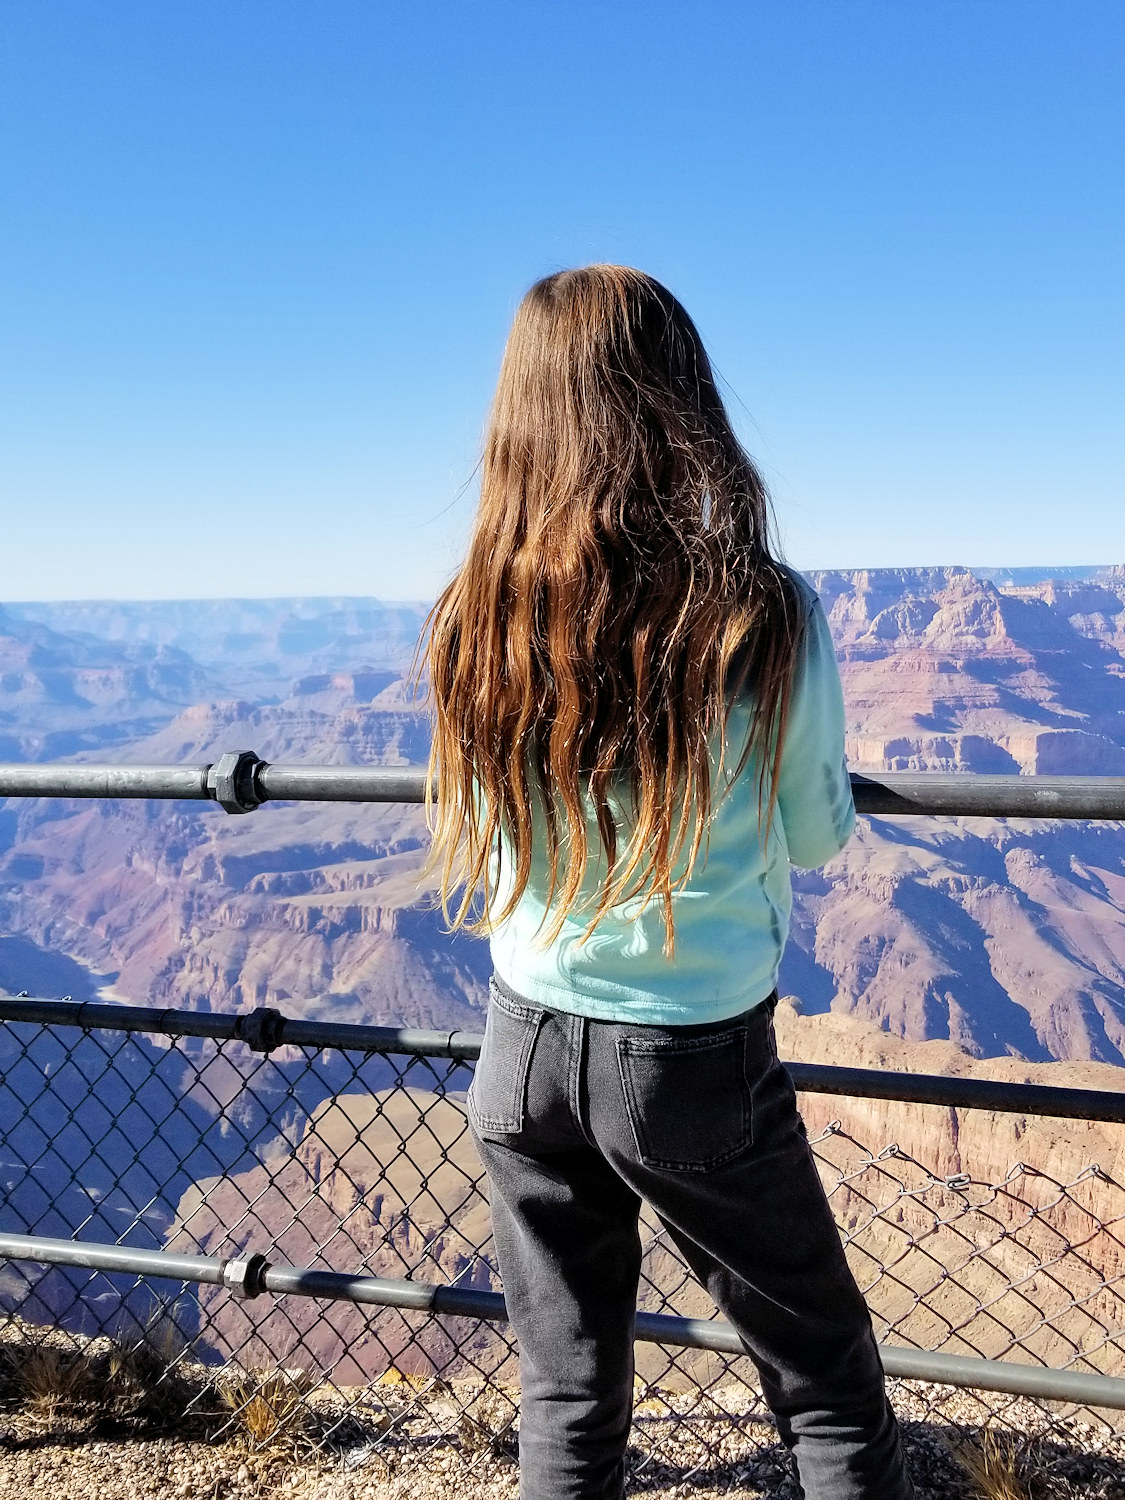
[113,617]
[1015,577]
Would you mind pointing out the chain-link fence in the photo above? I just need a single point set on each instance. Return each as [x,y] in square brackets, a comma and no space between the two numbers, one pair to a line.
[353,1160]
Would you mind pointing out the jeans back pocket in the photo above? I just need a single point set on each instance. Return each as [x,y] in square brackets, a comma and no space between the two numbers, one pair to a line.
[498,1092]
[687,1098]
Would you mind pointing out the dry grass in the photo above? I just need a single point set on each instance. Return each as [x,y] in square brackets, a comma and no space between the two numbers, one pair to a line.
[995,1465]
[268,1405]
[244,1434]
[48,1377]
[100,1383]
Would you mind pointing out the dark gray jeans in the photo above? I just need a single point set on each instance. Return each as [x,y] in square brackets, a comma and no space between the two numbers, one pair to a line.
[576,1121]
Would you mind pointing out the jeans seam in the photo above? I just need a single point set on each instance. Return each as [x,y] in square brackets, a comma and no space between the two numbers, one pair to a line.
[576,1041]
[643,1047]
[505,1000]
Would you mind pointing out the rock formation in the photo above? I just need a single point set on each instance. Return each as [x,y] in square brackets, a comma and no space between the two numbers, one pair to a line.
[1002,937]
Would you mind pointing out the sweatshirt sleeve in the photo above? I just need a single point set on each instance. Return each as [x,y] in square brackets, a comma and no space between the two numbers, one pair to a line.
[814,795]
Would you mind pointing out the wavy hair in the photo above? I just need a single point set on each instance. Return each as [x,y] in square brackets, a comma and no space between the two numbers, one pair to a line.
[619,592]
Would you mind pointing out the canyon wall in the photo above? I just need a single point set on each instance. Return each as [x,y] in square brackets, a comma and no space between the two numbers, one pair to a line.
[984,947]
[1003,937]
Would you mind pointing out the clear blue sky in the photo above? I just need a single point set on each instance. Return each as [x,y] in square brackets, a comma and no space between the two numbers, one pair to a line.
[258,257]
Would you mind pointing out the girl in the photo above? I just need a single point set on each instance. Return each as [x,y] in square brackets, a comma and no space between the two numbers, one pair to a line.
[639,726]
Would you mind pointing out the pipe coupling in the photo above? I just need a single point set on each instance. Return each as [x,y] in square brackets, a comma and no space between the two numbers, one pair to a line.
[245,1277]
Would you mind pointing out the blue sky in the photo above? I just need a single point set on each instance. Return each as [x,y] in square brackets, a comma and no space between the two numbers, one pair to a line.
[258,258]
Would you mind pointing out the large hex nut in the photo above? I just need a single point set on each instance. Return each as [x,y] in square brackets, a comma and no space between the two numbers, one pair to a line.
[230,781]
[244,1276]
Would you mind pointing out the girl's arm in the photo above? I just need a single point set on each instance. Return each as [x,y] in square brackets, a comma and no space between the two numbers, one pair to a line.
[814,795]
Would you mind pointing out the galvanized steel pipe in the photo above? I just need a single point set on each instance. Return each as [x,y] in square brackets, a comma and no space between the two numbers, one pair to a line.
[62,779]
[241,781]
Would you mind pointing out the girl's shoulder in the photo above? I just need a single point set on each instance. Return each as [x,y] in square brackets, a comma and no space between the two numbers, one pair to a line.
[807,605]
[806,595]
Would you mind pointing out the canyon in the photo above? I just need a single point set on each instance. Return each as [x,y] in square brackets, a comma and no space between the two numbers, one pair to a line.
[993,948]
[1005,937]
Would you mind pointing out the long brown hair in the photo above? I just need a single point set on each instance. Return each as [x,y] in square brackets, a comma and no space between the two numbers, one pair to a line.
[618,592]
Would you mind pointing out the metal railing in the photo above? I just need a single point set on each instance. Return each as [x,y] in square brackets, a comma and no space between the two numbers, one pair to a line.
[300,1174]
[241,781]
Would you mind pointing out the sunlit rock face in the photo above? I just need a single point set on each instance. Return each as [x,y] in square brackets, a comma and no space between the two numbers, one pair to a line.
[1002,937]
[947,672]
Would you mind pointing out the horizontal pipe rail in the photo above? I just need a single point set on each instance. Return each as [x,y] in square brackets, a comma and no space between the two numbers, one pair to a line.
[935,793]
[66,780]
[274,1029]
[952,1092]
[252,1275]
[241,782]
[266,1029]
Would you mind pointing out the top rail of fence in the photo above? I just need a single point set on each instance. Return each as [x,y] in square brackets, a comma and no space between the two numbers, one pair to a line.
[241,781]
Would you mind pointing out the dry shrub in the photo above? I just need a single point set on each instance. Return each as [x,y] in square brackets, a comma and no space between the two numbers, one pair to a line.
[137,1380]
[268,1405]
[93,1380]
[159,1343]
[995,1466]
[48,1377]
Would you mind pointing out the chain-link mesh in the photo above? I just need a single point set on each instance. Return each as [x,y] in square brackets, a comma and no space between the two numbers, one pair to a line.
[361,1162]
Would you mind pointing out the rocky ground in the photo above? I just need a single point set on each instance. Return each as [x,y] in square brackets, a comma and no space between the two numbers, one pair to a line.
[76,1465]
[86,1418]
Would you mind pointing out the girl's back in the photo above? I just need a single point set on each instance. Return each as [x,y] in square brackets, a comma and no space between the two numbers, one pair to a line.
[628,685]
[730,908]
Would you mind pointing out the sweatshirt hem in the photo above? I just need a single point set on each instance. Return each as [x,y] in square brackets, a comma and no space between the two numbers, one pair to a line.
[644,1010]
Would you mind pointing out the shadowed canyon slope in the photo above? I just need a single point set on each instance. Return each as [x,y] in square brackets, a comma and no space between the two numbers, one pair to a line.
[1002,937]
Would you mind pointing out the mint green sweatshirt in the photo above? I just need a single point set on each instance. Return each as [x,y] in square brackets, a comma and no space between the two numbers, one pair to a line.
[732,915]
